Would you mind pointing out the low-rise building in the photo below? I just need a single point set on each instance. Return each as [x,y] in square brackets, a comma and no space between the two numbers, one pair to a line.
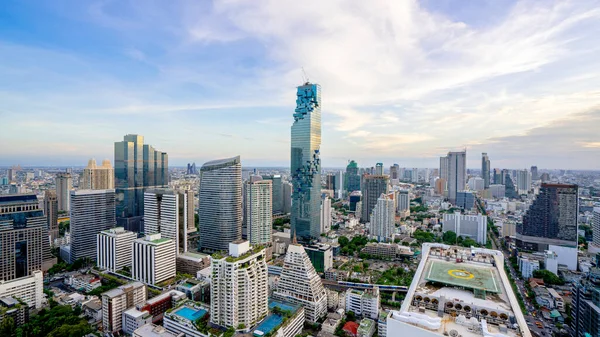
[559,303]
[528,266]
[190,263]
[331,322]
[321,256]
[183,318]
[388,251]
[366,328]
[363,303]
[382,324]
[196,290]
[158,305]
[151,330]
[30,289]
[276,324]
[92,309]
[15,309]
[83,282]
[134,319]
[116,301]
[543,297]
[336,274]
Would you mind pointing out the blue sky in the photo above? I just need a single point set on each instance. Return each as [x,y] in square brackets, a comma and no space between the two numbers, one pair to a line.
[403,81]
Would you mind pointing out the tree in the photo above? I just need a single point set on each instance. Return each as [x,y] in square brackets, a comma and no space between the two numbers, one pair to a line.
[449,238]
[7,327]
[548,277]
[350,316]
[343,241]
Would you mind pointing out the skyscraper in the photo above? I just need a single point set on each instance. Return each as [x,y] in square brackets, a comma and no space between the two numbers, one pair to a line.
[305,163]
[220,206]
[551,218]
[92,211]
[485,170]
[258,211]
[352,180]
[534,173]
[325,213]
[498,177]
[372,188]
[523,181]
[239,287]
[596,226]
[24,243]
[457,173]
[277,192]
[137,166]
[300,284]
[383,219]
[64,184]
[168,212]
[339,184]
[51,212]
[379,169]
[394,172]
[96,177]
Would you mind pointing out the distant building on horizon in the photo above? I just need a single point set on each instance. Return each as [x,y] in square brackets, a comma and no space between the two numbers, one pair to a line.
[64,185]
[372,188]
[456,173]
[485,170]
[137,167]
[220,205]
[306,163]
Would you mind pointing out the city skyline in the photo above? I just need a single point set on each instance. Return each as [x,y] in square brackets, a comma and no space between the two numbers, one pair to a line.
[528,92]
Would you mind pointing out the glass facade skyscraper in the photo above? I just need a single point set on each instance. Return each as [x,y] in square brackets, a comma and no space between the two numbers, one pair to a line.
[485,170]
[220,206]
[137,166]
[352,177]
[306,164]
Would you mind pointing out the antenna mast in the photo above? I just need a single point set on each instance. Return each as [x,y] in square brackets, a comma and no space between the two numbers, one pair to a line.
[305,79]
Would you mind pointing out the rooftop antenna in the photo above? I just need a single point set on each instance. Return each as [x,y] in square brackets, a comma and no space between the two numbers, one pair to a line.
[304,76]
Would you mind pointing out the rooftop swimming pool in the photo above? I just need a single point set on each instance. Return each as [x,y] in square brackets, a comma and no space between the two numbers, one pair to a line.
[283,306]
[268,325]
[190,313]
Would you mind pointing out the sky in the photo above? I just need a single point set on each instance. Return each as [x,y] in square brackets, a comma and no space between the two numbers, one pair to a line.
[402,81]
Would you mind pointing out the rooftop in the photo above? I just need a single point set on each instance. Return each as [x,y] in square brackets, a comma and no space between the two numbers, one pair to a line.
[151,330]
[460,291]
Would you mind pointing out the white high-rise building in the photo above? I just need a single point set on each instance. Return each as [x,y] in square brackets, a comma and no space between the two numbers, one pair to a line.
[300,284]
[523,181]
[498,191]
[326,217]
[114,248]
[403,201]
[551,261]
[456,173]
[168,212]
[339,183]
[92,211]
[476,184]
[596,226]
[415,175]
[471,226]
[363,303]
[29,289]
[64,185]
[383,218]
[239,286]
[258,210]
[116,301]
[154,259]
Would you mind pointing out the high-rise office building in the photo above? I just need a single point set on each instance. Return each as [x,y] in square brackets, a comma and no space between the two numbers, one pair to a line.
[51,212]
[96,177]
[510,188]
[379,169]
[114,248]
[92,211]
[170,213]
[116,301]
[220,206]
[137,167]
[485,170]
[534,173]
[306,163]
[326,217]
[497,191]
[277,192]
[383,219]
[11,174]
[403,201]
[154,259]
[191,169]
[330,182]
[477,184]
[551,218]
[64,185]
[24,245]
[372,188]
[456,172]
[523,181]
[596,226]
[239,287]
[352,178]
[395,172]
[300,284]
[465,200]
[444,168]
[498,177]
[287,197]
[258,211]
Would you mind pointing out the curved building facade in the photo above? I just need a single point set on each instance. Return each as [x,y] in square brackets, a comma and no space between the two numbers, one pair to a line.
[306,164]
[220,204]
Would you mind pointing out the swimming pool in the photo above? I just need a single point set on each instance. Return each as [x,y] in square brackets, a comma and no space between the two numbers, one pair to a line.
[283,306]
[190,313]
[268,325]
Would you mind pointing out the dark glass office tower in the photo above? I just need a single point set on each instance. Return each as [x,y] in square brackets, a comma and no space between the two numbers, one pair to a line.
[306,163]
[137,167]
[352,177]
[24,243]
[551,218]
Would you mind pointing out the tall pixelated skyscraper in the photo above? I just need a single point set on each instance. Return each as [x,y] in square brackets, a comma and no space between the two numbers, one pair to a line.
[137,166]
[306,164]
[485,170]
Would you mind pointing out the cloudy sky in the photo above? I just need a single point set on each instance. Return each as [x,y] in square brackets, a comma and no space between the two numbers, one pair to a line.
[403,81]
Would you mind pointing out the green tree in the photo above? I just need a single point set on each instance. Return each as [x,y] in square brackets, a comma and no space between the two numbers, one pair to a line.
[548,277]
[350,316]
[343,241]
[7,327]
[449,238]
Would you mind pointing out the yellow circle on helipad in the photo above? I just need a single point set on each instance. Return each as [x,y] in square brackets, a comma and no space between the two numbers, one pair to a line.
[461,274]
